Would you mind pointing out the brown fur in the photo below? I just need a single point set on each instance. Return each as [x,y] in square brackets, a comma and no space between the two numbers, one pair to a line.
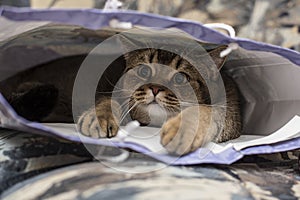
[184,129]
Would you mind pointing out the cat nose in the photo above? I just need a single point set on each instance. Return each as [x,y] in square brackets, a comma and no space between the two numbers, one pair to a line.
[155,90]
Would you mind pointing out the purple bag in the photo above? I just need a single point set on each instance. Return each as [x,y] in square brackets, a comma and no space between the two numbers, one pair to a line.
[268,77]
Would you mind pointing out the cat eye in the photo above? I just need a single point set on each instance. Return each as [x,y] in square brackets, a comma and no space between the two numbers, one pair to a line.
[144,71]
[180,78]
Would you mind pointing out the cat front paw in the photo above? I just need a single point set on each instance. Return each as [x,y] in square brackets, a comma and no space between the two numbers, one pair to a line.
[185,132]
[104,125]
[175,137]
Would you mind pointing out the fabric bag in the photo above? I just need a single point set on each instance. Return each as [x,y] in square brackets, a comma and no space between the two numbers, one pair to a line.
[268,77]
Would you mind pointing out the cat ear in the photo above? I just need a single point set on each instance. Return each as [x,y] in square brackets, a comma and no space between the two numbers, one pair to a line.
[215,55]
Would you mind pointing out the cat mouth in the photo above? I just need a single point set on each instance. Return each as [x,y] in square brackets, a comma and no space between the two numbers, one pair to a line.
[155,103]
[156,113]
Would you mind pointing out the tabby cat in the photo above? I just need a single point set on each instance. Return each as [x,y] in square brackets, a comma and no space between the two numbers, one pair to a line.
[44,94]
[158,102]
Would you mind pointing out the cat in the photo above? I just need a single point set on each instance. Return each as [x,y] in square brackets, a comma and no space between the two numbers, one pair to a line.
[44,93]
[182,130]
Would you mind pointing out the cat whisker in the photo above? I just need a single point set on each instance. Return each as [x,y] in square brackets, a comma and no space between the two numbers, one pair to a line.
[126,105]
[120,96]
[181,103]
[114,85]
[103,92]
[122,90]
[123,106]
[113,91]
[126,113]
[118,92]
[113,96]
[172,109]
[199,104]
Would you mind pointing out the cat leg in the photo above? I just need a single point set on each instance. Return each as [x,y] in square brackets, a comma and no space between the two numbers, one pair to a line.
[34,101]
[195,127]
[104,123]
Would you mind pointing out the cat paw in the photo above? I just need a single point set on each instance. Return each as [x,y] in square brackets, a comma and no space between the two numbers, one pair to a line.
[182,134]
[175,138]
[35,101]
[104,125]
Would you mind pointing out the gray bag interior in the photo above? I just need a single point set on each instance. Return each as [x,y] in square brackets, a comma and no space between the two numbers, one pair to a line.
[268,82]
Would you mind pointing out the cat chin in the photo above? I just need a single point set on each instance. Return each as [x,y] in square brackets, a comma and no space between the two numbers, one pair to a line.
[150,115]
[157,114]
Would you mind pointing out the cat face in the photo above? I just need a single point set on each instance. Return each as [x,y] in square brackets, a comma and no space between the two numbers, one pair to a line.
[159,84]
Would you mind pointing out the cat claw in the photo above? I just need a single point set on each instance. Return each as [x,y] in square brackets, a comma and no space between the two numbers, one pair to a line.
[110,133]
[101,126]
